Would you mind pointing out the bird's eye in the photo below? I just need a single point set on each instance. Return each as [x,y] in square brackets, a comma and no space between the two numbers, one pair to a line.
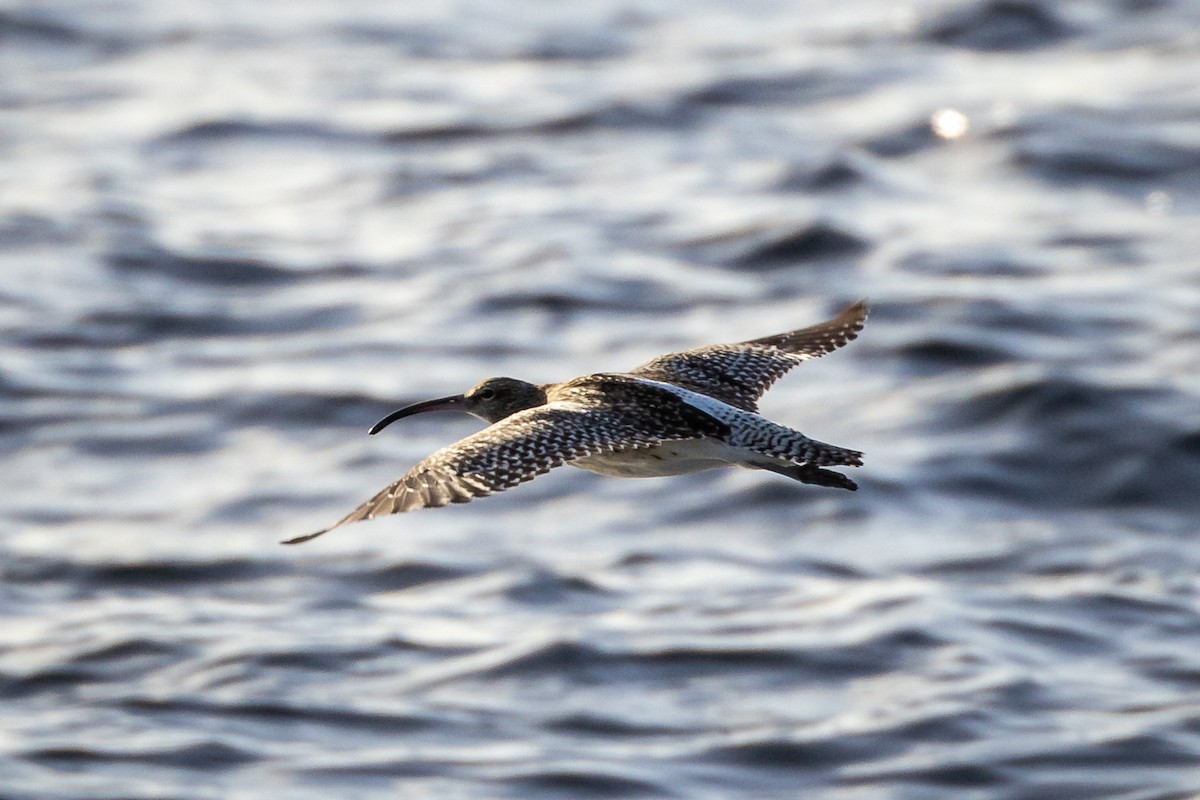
[487,394]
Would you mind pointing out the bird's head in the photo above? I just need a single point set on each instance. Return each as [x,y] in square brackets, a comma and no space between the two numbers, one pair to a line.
[492,400]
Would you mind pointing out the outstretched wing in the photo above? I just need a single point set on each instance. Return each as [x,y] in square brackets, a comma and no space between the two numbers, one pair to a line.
[518,449]
[738,374]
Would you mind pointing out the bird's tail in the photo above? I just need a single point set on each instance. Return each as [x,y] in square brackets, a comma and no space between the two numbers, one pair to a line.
[776,441]
[821,454]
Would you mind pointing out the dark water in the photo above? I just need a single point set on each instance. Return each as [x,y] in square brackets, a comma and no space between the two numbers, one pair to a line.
[234,235]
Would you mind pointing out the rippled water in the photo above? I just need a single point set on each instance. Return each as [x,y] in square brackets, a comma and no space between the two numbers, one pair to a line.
[233,235]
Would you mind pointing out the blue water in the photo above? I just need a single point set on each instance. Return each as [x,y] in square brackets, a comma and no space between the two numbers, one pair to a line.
[234,235]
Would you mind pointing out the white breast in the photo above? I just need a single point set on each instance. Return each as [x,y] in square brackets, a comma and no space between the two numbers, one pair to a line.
[669,458]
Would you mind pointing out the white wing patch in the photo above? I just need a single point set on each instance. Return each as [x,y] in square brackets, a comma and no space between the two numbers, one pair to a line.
[709,405]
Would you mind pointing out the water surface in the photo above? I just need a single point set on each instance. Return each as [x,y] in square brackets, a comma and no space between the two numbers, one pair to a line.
[233,236]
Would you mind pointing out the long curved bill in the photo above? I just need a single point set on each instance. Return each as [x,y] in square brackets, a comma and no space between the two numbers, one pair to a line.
[452,403]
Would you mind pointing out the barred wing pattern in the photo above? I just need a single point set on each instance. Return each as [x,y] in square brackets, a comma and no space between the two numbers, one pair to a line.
[518,449]
[739,374]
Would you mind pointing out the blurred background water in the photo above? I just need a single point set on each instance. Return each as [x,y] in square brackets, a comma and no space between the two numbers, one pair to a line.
[233,235]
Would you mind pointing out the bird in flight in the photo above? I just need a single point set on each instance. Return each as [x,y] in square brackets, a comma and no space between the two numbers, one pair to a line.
[678,413]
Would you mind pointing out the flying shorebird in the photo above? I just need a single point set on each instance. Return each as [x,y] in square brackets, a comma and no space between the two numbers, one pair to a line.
[675,414]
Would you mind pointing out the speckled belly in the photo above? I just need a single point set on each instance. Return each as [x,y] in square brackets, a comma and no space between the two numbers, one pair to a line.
[670,458]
